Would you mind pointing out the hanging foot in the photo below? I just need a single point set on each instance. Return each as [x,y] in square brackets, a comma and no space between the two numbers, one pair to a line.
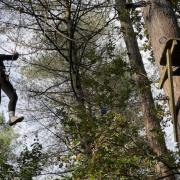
[14,119]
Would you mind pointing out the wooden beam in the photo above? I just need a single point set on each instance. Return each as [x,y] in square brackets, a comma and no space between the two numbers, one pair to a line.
[171,95]
[174,43]
[163,77]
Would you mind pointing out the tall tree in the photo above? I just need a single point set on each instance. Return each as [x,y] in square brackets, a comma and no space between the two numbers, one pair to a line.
[162,25]
[154,133]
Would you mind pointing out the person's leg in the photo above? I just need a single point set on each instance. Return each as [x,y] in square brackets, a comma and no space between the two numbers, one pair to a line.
[8,89]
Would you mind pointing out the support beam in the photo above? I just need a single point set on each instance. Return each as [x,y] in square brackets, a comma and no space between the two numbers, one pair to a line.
[171,93]
[174,43]
[163,77]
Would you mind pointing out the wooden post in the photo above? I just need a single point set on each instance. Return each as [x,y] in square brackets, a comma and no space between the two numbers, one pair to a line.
[171,93]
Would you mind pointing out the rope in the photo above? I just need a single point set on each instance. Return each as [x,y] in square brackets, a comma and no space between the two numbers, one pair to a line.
[16,43]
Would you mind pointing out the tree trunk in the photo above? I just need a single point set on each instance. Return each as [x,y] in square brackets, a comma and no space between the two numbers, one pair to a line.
[74,69]
[154,133]
[162,25]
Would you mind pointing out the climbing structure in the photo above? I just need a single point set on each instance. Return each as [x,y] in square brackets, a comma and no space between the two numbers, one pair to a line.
[171,58]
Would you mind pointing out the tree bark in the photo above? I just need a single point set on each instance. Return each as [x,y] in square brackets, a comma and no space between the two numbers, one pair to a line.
[162,25]
[154,133]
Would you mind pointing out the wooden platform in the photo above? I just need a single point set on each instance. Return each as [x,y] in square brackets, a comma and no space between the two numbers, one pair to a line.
[174,46]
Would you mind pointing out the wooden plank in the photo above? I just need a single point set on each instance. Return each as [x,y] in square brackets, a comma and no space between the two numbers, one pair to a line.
[163,77]
[178,131]
[174,43]
[171,96]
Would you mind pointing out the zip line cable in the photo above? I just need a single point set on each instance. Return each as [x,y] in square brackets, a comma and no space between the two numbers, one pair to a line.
[16,43]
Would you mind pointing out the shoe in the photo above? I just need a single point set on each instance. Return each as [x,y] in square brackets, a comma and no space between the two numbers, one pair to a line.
[14,119]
